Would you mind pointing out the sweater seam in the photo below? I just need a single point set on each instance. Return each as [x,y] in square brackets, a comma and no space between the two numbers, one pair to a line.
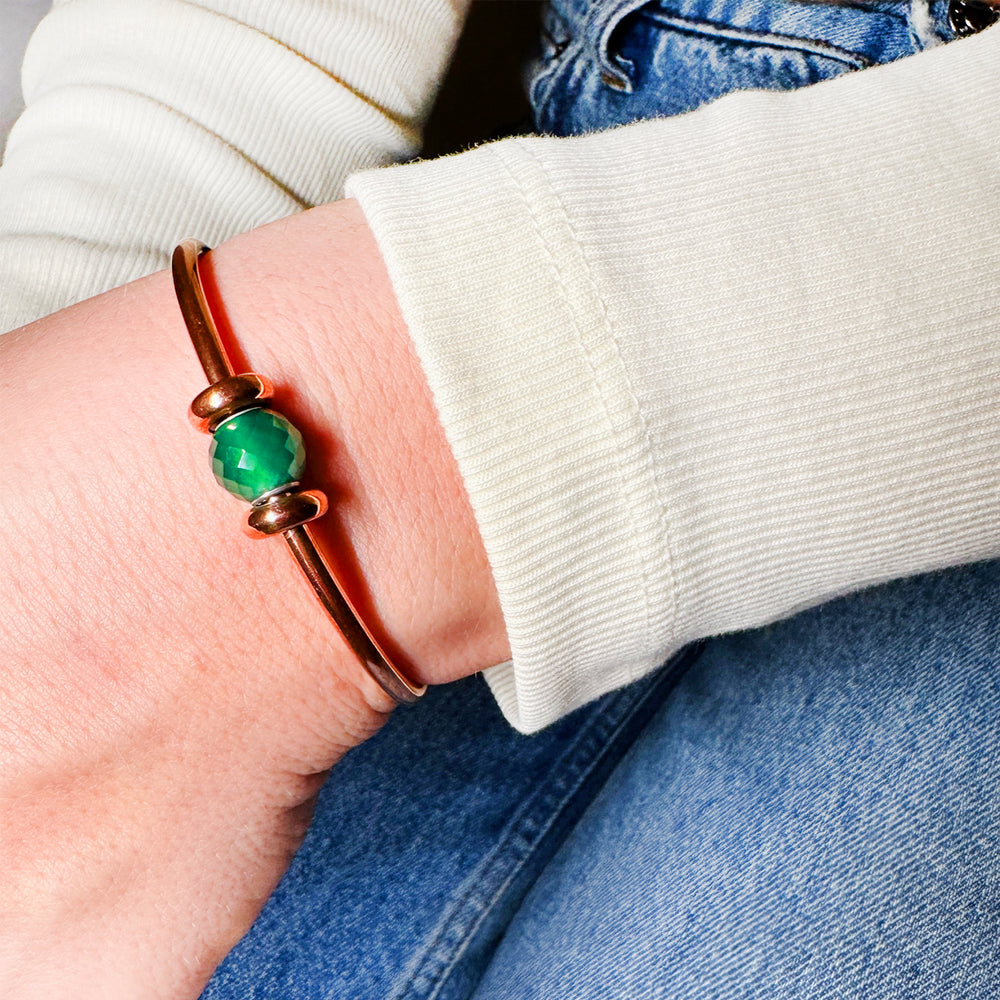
[636,411]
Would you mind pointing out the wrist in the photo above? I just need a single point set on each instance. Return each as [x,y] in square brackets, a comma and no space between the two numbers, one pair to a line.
[157,662]
[311,306]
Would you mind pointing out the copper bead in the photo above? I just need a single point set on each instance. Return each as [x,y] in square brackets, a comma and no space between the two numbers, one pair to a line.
[284,511]
[228,396]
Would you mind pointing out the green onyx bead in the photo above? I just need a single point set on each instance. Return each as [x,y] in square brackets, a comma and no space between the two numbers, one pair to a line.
[256,452]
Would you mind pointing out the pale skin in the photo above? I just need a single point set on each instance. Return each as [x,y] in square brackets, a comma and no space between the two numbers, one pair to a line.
[172,694]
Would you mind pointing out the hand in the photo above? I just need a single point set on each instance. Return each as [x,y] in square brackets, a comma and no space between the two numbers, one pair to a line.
[172,694]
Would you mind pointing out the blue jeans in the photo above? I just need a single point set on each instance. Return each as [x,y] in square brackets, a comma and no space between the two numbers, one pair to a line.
[611,62]
[804,810]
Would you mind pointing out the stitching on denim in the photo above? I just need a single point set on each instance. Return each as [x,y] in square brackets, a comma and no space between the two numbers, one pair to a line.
[748,36]
[647,448]
[545,76]
[864,7]
[601,24]
[527,830]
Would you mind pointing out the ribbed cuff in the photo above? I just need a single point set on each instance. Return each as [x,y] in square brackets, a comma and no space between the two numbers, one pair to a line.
[537,408]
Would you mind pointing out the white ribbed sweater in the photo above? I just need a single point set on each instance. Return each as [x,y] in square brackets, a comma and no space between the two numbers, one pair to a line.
[697,373]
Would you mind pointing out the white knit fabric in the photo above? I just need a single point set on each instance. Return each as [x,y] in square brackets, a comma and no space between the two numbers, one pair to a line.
[697,373]
[701,372]
[152,120]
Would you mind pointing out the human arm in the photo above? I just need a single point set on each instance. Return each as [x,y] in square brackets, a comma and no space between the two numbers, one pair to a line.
[172,692]
[781,212]
[699,373]
[173,695]
[501,325]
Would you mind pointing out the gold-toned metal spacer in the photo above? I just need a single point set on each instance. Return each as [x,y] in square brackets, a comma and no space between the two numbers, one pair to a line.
[228,396]
[284,511]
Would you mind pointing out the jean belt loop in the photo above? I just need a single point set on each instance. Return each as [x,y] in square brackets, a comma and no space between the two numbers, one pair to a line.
[603,20]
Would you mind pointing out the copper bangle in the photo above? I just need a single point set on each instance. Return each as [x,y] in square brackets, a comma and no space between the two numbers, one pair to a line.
[286,510]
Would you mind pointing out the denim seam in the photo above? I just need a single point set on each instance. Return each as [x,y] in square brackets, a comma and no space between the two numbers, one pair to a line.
[747,36]
[526,831]
[601,24]
[864,7]
[513,848]
[543,77]
[649,465]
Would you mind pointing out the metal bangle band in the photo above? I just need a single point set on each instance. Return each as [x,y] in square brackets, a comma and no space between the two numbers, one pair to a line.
[328,589]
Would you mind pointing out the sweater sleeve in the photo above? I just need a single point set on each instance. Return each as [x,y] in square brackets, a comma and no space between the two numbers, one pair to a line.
[151,120]
[701,372]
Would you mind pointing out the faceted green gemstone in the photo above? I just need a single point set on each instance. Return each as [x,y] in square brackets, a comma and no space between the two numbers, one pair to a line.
[256,451]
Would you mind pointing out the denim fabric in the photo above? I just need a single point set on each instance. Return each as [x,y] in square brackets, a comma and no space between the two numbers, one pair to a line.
[811,814]
[423,844]
[802,811]
[608,63]
[809,811]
